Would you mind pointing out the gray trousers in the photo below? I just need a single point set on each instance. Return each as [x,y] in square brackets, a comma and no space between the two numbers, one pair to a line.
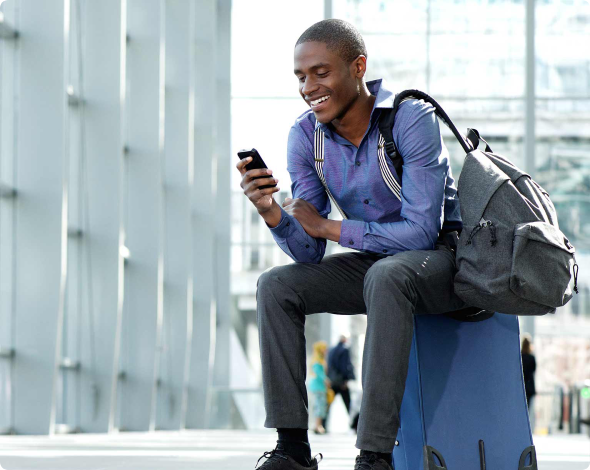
[389,289]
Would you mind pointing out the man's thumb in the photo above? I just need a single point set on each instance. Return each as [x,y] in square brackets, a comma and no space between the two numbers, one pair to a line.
[287,201]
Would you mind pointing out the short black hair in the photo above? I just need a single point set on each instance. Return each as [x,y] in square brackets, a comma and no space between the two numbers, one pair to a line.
[339,36]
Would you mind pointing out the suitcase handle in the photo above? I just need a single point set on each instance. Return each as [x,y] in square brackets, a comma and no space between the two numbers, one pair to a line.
[482,455]
[525,453]
[429,464]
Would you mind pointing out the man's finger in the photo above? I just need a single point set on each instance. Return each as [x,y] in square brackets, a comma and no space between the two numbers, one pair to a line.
[251,174]
[242,163]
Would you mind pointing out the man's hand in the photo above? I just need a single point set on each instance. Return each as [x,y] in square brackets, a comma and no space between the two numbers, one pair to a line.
[261,198]
[307,215]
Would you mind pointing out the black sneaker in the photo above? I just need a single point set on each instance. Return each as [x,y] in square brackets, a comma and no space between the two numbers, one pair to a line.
[371,462]
[277,459]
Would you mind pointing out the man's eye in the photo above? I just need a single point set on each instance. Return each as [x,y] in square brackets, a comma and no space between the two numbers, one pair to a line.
[322,75]
[301,79]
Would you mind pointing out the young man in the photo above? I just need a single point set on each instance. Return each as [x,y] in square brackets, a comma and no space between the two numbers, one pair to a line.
[402,266]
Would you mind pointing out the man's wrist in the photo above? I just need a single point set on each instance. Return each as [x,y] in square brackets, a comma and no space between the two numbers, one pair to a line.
[272,216]
[330,229]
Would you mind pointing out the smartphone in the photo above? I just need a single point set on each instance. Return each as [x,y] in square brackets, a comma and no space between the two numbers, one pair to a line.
[256,163]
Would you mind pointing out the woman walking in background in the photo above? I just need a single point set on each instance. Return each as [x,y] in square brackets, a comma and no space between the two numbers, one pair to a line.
[319,384]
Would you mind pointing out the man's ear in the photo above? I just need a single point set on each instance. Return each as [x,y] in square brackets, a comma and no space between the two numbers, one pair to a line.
[359,66]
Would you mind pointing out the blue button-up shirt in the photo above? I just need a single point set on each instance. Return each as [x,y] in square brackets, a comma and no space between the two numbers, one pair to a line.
[377,221]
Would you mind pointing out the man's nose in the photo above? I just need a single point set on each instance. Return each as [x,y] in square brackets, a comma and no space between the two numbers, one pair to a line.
[309,86]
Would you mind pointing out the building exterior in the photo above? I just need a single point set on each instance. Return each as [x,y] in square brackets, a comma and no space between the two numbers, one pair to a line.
[128,253]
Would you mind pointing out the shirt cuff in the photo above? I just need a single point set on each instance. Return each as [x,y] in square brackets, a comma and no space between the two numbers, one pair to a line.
[352,233]
[283,229]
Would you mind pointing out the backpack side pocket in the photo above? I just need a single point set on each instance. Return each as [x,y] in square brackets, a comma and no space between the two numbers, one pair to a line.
[542,261]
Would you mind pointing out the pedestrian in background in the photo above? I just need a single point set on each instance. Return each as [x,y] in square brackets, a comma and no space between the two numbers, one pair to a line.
[319,385]
[340,371]
[529,365]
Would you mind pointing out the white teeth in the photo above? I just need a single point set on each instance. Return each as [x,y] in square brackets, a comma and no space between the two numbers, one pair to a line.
[319,100]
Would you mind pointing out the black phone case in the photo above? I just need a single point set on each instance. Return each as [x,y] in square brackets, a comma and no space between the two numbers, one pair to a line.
[256,164]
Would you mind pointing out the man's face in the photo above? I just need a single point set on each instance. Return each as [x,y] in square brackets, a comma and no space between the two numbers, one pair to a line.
[326,82]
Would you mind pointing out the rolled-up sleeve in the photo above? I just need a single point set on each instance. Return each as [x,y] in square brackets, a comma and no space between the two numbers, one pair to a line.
[289,233]
[425,169]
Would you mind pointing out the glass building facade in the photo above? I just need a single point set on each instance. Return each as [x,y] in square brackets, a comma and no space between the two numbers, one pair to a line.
[473,58]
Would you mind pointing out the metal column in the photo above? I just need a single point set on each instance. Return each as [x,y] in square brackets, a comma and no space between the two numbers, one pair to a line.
[8,106]
[210,356]
[203,215]
[143,308]
[41,222]
[178,278]
[328,9]
[527,324]
[102,94]
[224,163]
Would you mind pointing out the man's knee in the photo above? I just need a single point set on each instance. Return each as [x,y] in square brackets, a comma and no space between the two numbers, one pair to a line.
[267,278]
[272,281]
[390,274]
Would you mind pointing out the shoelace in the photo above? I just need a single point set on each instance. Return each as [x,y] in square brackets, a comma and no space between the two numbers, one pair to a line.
[271,455]
[365,462]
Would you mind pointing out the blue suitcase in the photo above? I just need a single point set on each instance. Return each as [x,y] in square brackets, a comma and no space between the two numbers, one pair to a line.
[464,406]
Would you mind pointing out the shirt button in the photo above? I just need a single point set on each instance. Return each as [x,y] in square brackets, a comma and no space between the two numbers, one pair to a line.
[358,163]
[351,242]
[366,201]
[288,223]
[384,251]
[306,246]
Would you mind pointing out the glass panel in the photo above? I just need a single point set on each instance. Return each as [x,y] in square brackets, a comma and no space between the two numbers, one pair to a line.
[563,169]
[477,48]
[383,17]
[399,59]
[563,64]
[262,53]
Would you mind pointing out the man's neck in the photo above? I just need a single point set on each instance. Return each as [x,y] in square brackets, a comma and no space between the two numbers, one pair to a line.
[353,125]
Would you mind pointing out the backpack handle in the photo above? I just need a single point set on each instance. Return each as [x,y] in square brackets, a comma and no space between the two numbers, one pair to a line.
[440,112]
[474,137]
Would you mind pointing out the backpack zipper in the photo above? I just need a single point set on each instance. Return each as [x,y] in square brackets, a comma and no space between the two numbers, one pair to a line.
[483,224]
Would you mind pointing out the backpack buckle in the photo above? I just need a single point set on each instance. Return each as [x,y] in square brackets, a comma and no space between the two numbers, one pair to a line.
[390,148]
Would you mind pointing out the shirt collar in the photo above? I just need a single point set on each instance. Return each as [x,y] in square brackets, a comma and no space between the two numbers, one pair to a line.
[384,99]
[384,96]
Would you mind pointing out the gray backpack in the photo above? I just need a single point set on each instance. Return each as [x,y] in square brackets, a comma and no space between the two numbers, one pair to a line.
[511,256]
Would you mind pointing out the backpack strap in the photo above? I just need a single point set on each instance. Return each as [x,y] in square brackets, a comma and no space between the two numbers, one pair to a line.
[318,150]
[440,112]
[388,177]
[386,120]
[387,144]
[390,181]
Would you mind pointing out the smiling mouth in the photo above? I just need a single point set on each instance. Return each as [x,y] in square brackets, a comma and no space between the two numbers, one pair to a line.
[319,101]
